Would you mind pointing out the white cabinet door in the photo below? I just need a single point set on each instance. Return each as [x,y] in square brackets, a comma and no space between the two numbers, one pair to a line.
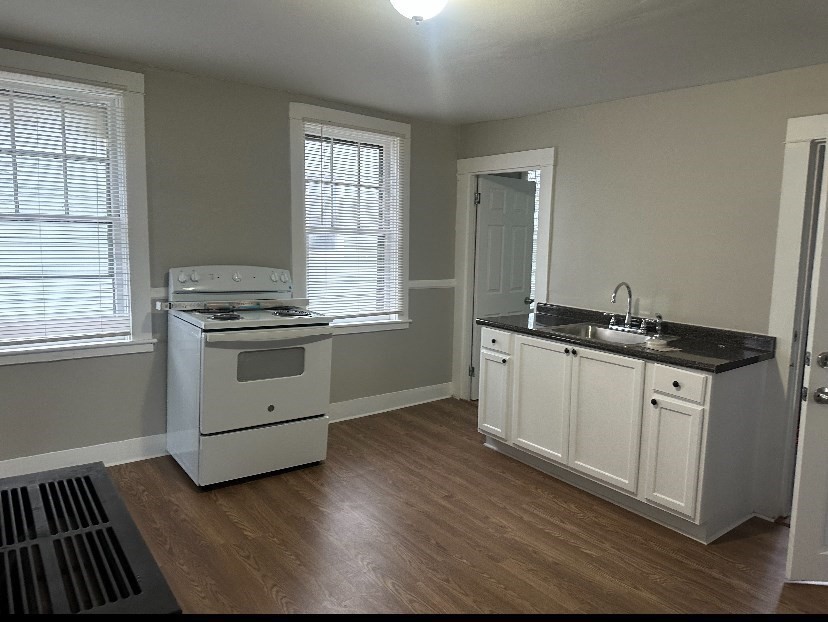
[493,407]
[605,423]
[674,445]
[540,406]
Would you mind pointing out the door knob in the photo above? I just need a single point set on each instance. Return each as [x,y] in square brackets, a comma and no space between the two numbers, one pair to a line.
[821,395]
[822,359]
[528,301]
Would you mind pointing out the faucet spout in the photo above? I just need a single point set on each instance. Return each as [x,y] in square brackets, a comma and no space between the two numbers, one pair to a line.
[628,317]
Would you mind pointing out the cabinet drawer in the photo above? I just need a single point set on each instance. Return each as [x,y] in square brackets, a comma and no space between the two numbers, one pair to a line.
[680,383]
[497,340]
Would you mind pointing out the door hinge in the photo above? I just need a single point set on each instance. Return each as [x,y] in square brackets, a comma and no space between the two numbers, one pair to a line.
[471,371]
[808,358]
[477,198]
[804,394]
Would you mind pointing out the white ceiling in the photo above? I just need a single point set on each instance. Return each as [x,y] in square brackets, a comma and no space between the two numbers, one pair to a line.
[478,60]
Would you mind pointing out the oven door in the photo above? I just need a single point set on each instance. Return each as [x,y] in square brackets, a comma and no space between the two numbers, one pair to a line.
[258,377]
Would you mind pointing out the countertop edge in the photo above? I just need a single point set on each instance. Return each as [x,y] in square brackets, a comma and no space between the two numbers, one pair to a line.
[636,353]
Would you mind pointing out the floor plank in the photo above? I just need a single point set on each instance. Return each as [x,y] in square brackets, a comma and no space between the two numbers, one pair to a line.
[410,513]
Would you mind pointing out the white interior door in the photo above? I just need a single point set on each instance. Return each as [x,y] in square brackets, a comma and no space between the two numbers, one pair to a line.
[503,252]
[808,546]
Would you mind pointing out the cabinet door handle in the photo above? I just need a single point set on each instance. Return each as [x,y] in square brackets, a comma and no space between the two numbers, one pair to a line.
[503,361]
[574,353]
[654,402]
[676,384]
[566,351]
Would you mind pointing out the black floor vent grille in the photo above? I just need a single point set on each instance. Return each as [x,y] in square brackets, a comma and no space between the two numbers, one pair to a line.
[69,545]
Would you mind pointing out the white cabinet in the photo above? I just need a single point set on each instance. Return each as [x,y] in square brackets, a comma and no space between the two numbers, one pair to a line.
[541,397]
[493,408]
[673,444]
[605,420]
[671,475]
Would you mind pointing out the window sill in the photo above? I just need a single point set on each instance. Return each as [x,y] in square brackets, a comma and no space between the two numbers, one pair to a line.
[367,327]
[77,352]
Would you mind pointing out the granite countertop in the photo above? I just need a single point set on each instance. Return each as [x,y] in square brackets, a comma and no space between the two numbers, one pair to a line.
[707,349]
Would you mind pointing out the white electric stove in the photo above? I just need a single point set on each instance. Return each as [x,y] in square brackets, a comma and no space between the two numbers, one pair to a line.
[248,373]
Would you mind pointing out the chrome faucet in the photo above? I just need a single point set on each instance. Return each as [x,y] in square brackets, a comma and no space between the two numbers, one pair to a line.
[628,317]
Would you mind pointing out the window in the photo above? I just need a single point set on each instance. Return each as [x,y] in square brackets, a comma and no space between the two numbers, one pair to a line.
[66,279]
[351,259]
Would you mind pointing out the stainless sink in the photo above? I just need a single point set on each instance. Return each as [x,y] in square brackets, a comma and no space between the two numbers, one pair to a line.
[600,333]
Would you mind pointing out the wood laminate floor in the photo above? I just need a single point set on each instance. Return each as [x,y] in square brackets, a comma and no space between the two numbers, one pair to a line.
[410,513]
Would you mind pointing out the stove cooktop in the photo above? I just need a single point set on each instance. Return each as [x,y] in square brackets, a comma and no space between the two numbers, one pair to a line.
[218,319]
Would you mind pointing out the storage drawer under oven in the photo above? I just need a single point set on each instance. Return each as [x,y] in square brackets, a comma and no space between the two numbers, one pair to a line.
[259,377]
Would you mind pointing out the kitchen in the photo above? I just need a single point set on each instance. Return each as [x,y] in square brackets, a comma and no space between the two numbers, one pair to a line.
[693,176]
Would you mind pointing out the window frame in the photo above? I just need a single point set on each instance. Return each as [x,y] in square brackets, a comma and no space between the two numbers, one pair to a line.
[298,114]
[132,86]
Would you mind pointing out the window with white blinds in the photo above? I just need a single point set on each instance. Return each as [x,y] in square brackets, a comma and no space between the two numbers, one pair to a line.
[64,257]
[354,221]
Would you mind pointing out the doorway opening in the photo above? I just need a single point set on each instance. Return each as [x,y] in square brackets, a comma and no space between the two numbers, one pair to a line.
[505,259]
[508,276]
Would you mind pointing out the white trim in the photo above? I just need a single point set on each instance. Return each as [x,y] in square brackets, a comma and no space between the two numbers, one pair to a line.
[507,162]
[467,171]
[60,69]
[782,319]
[118,452]
[45,355]
[369,327]
[374,404]
[805,129]
[432,283]
[300,112]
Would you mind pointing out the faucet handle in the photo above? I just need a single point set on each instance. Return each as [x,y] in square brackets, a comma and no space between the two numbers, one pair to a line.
[611,317]
[657,321]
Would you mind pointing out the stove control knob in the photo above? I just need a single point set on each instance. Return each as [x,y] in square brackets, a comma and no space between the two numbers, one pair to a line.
[284,277]
[194,277]
[237,277]
[274,277]
[182,278]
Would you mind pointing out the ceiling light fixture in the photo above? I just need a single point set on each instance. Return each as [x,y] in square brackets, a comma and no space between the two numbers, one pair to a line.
[419,10]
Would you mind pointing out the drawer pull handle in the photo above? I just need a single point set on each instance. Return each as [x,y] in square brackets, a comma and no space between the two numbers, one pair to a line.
[654,402]
[676,384]
[494,340]
[503,361]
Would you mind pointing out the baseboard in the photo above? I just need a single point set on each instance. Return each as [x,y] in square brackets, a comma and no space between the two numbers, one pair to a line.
[147,447]
[109,453]
[374,404]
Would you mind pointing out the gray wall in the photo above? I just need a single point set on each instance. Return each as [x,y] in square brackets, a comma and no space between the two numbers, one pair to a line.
[676,193]
[218,180]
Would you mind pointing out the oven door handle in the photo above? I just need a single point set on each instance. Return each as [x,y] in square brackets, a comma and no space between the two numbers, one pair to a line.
[267,338]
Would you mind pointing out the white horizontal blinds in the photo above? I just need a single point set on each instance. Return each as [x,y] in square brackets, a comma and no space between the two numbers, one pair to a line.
[64,273]
[353,221]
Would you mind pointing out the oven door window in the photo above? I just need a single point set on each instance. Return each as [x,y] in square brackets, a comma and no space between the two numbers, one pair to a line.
[270,364]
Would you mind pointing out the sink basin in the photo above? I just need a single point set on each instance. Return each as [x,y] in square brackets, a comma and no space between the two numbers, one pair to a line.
[600,333]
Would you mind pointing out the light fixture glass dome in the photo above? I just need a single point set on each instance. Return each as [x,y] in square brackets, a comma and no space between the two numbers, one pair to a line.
[419,10]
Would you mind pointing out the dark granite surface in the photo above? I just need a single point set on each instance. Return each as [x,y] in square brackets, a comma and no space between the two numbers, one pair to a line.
[707,349]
